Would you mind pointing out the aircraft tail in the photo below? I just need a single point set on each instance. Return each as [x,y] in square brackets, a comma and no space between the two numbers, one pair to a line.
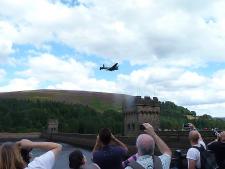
[103,67]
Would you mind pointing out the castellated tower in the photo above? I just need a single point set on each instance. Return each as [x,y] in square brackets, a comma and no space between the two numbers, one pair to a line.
[140,110]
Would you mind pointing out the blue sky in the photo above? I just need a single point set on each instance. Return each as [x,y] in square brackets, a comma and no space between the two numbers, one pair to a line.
[174,50]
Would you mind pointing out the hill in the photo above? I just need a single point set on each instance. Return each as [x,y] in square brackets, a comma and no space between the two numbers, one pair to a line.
[20,110]
[96,100]
[220,118]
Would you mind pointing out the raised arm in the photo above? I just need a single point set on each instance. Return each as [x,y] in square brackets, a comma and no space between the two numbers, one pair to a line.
[163,148]
[118,142]
[98,145]
[54,147]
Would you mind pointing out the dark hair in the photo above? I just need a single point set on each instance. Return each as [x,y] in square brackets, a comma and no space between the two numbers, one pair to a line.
[76,159]
[105,136]
[25,153]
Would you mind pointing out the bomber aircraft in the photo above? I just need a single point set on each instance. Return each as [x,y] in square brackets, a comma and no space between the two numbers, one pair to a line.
[114,67]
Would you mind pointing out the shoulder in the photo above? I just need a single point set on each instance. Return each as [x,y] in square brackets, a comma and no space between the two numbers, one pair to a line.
[193,153]
[97,153]
[165,159]
[201,142]
[45,161]
[128,167]
[118,149]
[145,160]
[212,145]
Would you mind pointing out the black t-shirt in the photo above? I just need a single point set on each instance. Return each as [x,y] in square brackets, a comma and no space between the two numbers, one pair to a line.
[219,149]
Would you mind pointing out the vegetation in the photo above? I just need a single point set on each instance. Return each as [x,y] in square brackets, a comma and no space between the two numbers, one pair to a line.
[32,115]
[173,117]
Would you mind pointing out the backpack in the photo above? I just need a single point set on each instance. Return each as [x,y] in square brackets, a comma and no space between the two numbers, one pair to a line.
[208,160]
[157,164]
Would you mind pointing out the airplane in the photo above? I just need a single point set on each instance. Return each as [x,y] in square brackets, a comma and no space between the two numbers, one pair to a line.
[114,67]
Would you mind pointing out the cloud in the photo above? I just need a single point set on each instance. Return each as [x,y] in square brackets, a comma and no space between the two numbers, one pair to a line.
[66,73]
[5,50]
[49,67]
[2,73]
[20,84]
[142,32]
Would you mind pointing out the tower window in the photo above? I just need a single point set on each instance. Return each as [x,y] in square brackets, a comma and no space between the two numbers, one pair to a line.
[128,126]
[133,126]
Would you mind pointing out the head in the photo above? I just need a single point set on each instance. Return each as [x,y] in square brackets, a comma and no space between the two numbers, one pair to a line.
[222,136]
[76,159]
[145,145]
[193,137]
[10,157]
[105,136]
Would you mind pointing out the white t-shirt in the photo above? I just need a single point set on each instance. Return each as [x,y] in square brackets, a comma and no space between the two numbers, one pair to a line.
[45,161]
[194,154]
[147,162]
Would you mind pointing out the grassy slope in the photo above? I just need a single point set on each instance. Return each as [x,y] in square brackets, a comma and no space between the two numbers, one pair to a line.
[97,100]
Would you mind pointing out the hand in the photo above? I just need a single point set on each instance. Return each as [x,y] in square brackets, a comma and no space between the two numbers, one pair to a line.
[192,127]
[149,129]
[218,137]
[24,143]
[222,136]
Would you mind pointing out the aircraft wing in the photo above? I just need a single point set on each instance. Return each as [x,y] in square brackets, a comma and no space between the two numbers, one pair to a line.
[114,66]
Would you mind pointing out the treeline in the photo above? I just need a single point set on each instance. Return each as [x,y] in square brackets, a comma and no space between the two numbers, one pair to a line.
[173,117]
[33,115]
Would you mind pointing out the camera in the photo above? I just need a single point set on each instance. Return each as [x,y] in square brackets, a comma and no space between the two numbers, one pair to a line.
[187,127]
[142,127]
[215,132]
[26,154]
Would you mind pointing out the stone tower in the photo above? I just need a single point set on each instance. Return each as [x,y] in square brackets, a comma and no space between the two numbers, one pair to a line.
[53,126]
[140,110]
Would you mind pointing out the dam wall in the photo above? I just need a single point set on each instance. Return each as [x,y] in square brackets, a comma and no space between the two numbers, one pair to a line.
[18,136]
[174,139]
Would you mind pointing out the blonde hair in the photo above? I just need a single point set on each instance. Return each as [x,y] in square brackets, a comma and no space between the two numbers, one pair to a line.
[10,157]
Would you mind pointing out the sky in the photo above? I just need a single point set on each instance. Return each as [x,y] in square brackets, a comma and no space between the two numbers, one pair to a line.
[171,49]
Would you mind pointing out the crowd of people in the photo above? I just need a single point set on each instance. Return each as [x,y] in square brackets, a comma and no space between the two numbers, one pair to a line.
[110,153]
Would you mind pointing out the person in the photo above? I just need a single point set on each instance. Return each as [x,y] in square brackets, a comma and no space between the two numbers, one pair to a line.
[78,161]
[193,154]
[129,160]
[145,144]
[10,156]
[218,148]
[105,154]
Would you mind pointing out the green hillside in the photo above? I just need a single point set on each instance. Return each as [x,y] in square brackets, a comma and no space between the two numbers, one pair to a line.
[173,117]
[29,116]
[84,112]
